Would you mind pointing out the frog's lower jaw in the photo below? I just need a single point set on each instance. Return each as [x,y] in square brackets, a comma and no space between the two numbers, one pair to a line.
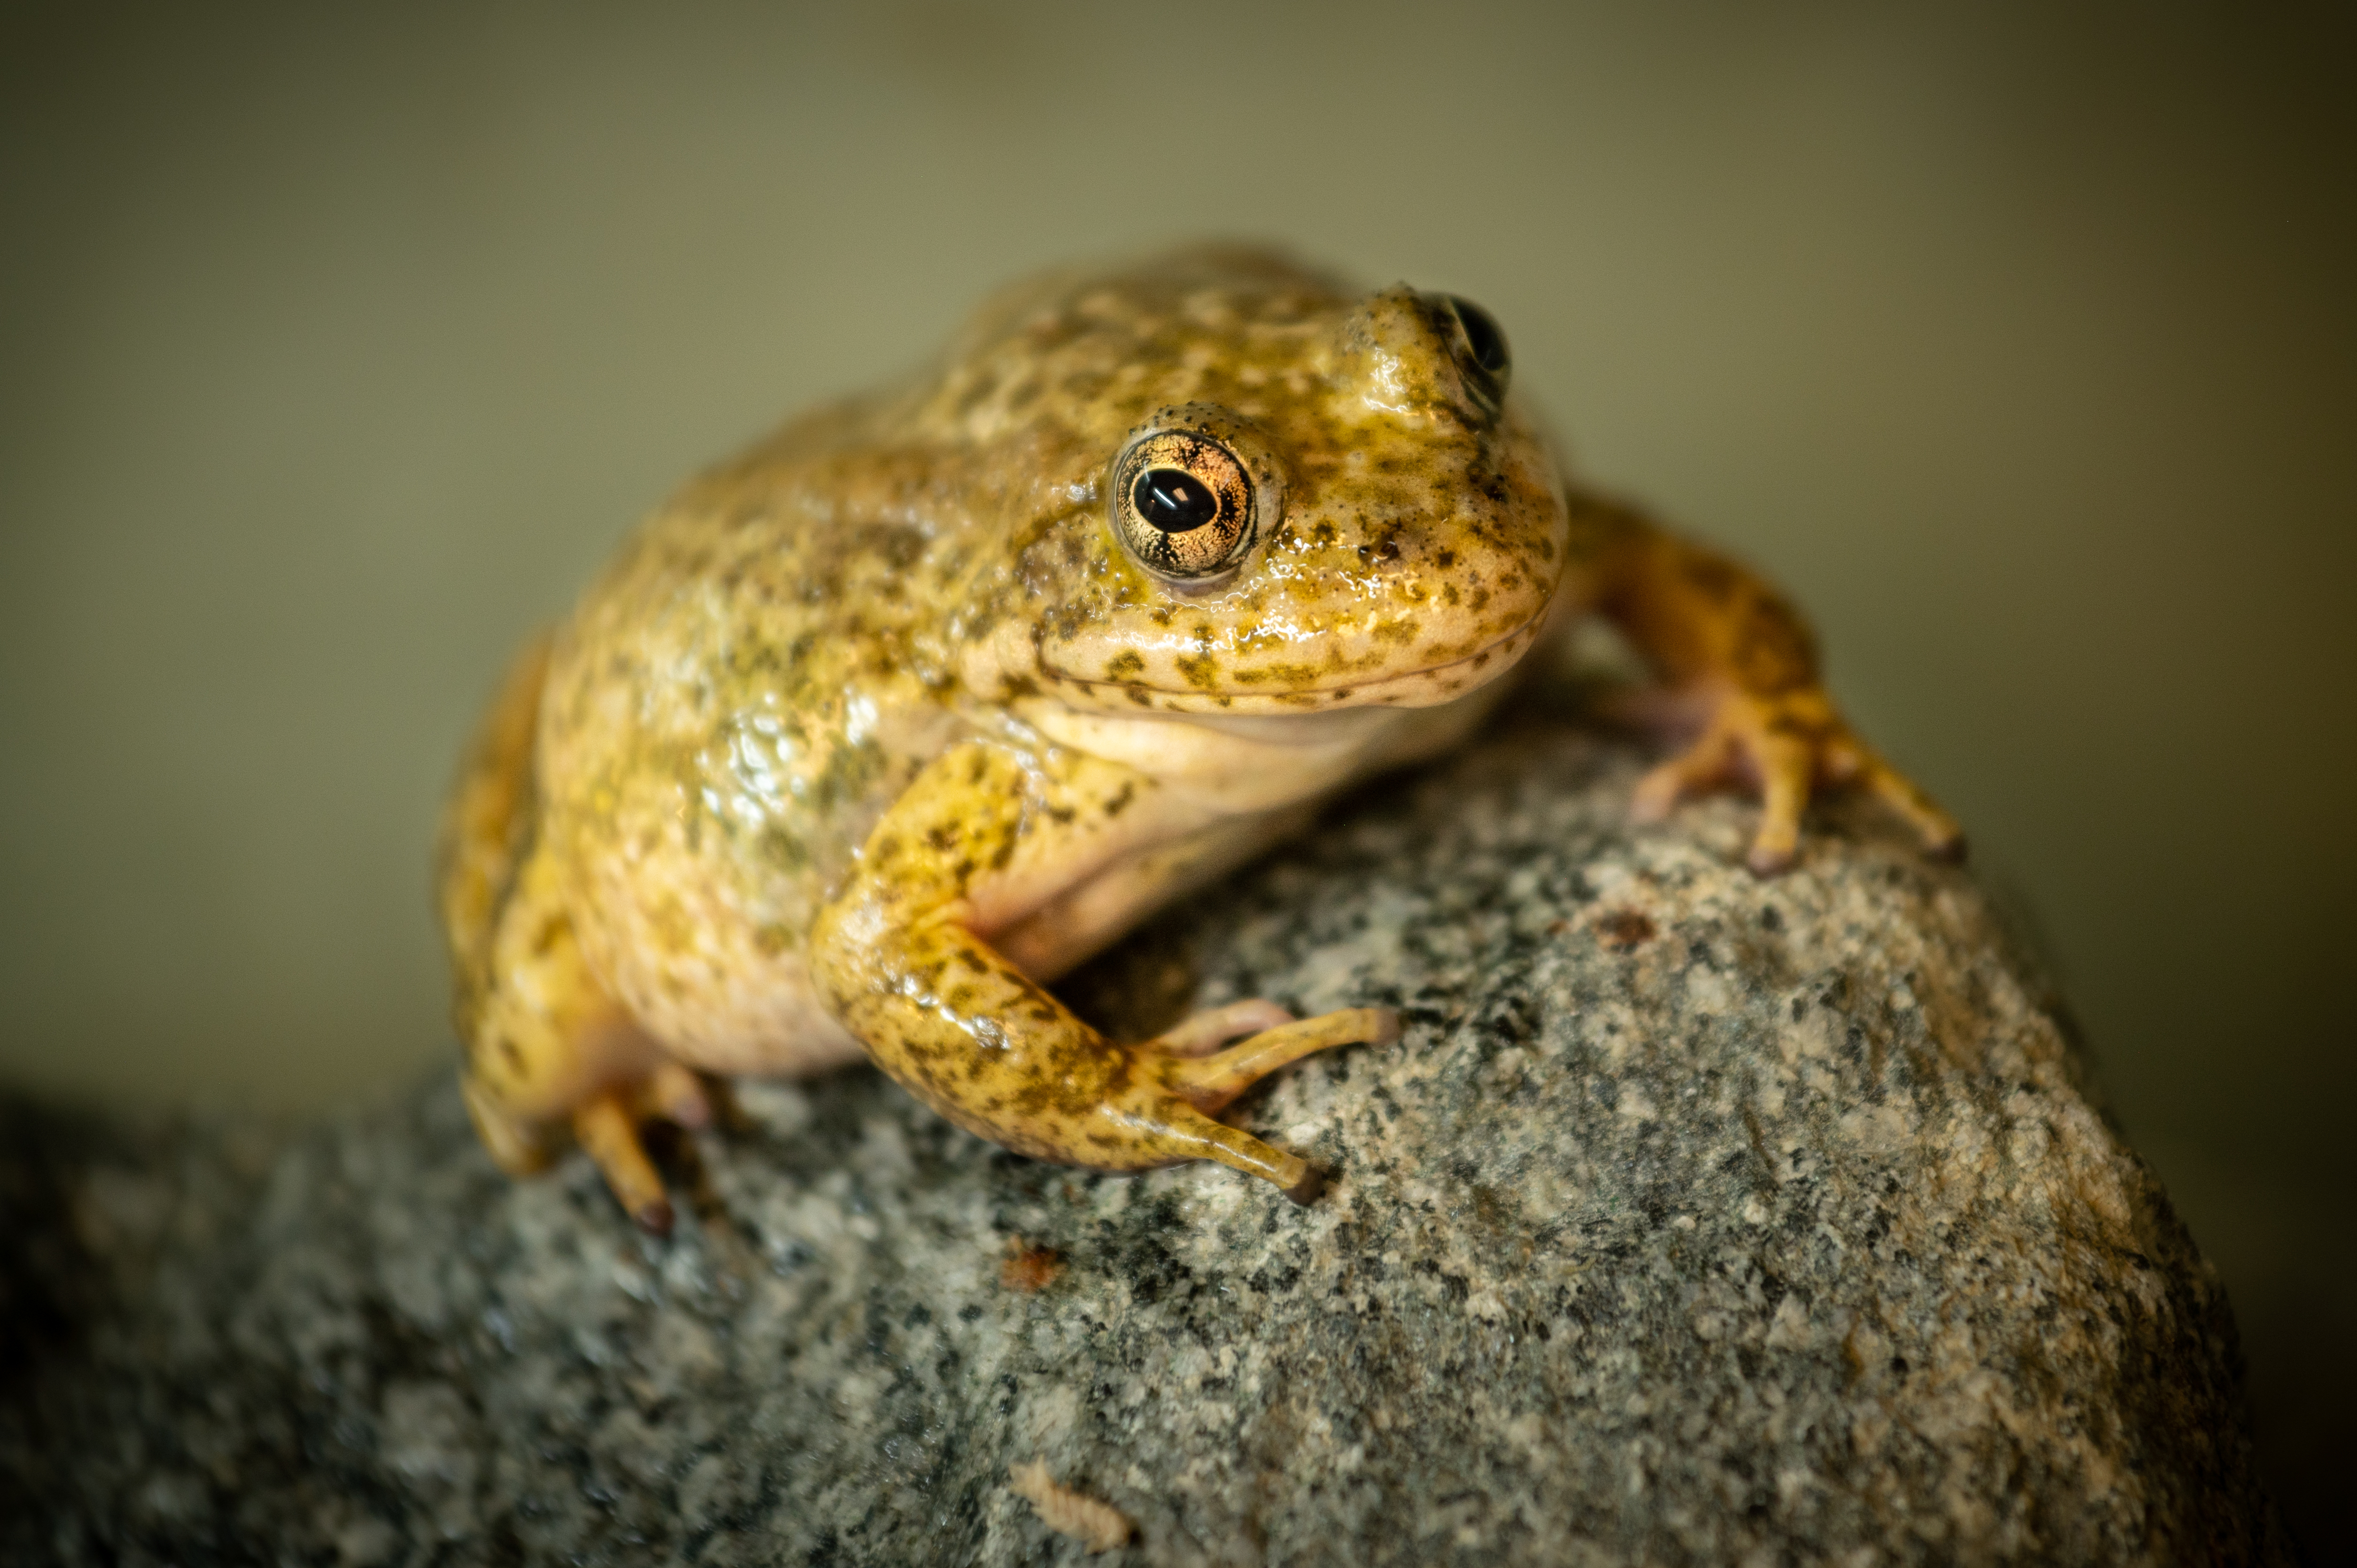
[897,956]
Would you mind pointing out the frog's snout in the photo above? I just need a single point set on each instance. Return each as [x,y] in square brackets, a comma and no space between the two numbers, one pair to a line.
[1412,352]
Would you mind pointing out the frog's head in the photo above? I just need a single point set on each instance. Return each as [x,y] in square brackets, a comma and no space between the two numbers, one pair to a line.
[1279,497]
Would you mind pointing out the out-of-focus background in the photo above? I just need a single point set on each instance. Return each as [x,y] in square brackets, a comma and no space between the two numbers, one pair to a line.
[338,347]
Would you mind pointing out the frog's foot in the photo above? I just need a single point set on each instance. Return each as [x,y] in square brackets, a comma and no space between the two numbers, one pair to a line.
[1788,744]
[1175,1119]
[1208,1082]
[1180,1133]
[607,1127]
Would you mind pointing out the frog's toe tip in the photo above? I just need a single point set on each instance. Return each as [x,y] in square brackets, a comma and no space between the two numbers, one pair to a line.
[655,1216]
[1306,1190]
[1769,860]
[1950,848]
[1383,1026]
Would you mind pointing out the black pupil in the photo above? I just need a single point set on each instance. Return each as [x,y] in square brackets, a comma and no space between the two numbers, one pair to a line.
[1481,335]
[1173,501]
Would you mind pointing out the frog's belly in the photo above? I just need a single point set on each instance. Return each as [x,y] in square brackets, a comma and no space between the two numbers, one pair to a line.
[694,893]
[715,1013]
[700,933]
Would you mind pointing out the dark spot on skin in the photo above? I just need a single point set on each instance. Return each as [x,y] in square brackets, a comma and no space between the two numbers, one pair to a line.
[553,930]
[1203,671]
[1793,727]
[1773,651]
[783,849]
[1715,579]
[1446,559]
[1123,665]
[1119,801]
[1624,929]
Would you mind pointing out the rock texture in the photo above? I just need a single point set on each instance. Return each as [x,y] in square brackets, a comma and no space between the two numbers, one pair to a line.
[1694,1219]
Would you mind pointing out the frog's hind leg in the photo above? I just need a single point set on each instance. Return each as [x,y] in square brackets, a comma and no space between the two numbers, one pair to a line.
[547,1048]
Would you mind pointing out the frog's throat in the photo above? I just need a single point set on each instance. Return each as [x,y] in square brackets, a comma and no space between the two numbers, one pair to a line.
[1427,687]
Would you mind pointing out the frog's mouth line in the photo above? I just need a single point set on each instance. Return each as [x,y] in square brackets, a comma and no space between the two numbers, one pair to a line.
[1373,690]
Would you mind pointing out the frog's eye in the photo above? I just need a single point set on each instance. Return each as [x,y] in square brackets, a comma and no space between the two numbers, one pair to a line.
[1479,346]
[1184,504]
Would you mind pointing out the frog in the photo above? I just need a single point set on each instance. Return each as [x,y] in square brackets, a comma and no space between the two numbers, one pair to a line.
[875,731]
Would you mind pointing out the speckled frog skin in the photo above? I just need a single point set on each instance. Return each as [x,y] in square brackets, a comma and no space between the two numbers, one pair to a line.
[872,732]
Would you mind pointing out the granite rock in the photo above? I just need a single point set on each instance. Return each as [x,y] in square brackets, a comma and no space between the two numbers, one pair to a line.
[1695,1219]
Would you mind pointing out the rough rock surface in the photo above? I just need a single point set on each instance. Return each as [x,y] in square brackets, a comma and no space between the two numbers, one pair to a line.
[1694,1219]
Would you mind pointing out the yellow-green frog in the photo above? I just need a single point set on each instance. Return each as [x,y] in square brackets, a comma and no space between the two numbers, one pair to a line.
[870,734]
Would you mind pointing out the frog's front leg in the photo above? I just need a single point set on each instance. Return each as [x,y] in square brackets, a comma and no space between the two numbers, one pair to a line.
[986,836]
[1743,659]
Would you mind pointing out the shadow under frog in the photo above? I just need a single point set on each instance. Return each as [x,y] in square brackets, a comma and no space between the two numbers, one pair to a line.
[872,732]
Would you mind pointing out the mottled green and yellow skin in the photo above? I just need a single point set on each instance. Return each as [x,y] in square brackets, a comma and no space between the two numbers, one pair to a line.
[871,733]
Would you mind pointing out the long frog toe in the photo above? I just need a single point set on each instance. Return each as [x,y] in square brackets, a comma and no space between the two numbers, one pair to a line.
[1172,1131]
[609,1132]
[1942,835]
[1169,1115]
[1701,766]
[1204,1033]
[676,1094]
[1210,1082]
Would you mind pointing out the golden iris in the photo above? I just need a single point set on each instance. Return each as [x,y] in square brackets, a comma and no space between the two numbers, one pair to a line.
[1183,504]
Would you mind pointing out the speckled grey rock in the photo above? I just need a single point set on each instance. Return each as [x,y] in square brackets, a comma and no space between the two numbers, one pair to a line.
[1694,1219]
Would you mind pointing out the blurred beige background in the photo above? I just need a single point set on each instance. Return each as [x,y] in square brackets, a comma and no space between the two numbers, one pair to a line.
[336,348]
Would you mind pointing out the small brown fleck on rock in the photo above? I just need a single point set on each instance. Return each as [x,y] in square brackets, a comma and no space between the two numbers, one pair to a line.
[1624,929]
[1028,1268]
